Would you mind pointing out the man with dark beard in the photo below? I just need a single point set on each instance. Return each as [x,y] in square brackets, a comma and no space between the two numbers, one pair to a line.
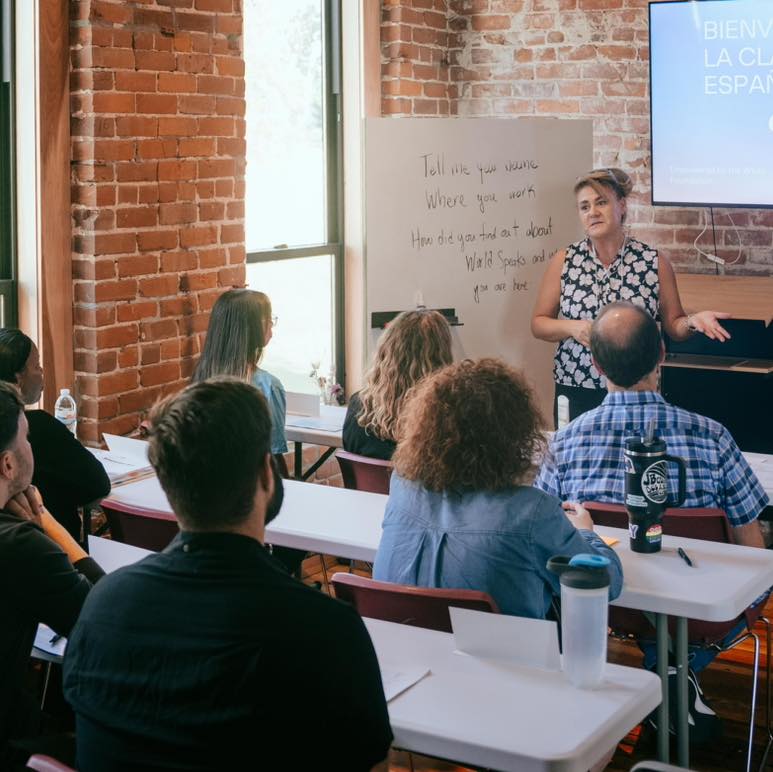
[195,658]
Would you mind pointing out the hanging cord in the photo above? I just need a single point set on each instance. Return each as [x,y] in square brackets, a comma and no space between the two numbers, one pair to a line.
[715,258]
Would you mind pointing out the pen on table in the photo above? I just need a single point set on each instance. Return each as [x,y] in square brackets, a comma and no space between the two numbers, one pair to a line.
[684,556]
[55,638]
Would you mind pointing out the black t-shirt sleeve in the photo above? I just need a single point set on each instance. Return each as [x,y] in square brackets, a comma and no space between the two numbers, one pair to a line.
[46,585]
[63,467]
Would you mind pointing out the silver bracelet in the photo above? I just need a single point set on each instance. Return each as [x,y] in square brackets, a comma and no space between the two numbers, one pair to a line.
[690,326]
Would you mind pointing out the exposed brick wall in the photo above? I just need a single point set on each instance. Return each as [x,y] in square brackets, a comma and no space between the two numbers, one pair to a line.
[158,156]
[415,66]
[566,59]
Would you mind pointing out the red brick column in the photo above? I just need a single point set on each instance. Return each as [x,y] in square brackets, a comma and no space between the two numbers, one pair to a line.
[158,156]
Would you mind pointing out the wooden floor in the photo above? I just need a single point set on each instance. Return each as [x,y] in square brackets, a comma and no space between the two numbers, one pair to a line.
[727,685]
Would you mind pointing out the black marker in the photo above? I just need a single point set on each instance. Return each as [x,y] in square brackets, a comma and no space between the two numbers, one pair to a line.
[56,638]
[684,556]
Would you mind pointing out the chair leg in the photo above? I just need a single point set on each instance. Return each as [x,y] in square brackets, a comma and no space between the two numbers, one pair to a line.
[769,738]
[45,686]
[752,709]
[324,574]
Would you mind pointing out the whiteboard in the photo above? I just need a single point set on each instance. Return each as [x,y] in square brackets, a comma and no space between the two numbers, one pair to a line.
[464,213]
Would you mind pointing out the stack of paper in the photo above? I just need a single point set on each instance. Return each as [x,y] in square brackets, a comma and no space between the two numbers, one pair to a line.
[126,459]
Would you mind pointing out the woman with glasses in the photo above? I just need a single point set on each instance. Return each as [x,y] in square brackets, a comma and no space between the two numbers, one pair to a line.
[606,266]
[240,328]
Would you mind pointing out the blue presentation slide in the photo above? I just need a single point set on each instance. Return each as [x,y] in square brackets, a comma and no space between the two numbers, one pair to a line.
[712,102]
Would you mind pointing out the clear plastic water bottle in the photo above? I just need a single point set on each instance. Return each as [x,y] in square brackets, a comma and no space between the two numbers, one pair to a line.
[66,411]
[584,607]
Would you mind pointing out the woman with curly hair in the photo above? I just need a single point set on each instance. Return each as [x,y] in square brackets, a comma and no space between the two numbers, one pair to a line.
[415,344]
[461,513]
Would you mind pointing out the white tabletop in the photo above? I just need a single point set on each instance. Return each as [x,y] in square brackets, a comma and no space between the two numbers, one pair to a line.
[501,716]
[722,582]
[762,466]
[485,713]
[317,518]
[111,554]
[324,429]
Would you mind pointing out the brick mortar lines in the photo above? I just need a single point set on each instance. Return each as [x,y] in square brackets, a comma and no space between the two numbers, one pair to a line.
[579,58]
[141,308]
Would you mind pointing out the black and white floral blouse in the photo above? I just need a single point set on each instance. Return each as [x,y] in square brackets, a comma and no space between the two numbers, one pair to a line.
[587,286]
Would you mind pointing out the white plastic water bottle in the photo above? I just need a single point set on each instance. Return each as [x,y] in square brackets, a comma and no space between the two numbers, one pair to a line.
[563,411]
[66,411]
[584,599]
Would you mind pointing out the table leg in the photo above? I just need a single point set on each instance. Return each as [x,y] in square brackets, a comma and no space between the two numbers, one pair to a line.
[682,725]
[324,456]
[298,459]
[661,626]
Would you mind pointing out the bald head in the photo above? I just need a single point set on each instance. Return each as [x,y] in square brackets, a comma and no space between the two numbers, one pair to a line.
[625,343]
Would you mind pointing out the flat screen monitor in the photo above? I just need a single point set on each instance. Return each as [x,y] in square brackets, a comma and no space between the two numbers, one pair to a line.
[711,102]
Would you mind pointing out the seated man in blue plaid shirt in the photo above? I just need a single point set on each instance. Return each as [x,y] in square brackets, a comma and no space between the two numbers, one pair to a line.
[585,461]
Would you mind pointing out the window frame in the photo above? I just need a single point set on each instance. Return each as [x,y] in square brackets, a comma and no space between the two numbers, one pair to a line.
[8,279]
[333,137]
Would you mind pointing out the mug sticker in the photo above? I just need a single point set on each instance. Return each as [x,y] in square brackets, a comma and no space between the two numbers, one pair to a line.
[654,533]
[629,467]
[633,529]
[654,482]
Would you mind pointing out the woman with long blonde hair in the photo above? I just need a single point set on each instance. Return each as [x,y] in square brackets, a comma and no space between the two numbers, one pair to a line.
[414,345]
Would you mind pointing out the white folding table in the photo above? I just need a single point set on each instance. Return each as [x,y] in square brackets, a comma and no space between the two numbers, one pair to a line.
[484,713]
[325,429]
[722,582]
[315,518]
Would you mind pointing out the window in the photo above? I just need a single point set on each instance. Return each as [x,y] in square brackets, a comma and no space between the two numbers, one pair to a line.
[7,165]
[293,209]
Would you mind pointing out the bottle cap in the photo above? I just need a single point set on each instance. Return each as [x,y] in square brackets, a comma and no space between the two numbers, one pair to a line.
[581,572]
[64,392]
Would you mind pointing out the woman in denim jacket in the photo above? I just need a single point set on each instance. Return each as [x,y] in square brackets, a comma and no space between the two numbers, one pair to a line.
[461,512]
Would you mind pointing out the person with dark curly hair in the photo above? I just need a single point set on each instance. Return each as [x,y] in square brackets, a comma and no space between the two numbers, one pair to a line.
[461,513]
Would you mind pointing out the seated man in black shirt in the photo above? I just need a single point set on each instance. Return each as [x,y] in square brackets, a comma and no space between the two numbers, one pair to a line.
[194,658]
[67,475]
[44,575]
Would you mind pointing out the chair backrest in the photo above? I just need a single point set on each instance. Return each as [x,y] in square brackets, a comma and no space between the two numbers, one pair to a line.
[362,473]
[705,523]
[46,764]
[415,606]
[147,528]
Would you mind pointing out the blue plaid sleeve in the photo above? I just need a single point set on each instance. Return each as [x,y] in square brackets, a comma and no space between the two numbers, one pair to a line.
[743,495]
[547,479]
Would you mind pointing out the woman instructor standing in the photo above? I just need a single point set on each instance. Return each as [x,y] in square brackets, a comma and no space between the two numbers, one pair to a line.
[607,265]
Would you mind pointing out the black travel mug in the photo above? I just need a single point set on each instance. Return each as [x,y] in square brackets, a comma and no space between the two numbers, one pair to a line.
[646,490]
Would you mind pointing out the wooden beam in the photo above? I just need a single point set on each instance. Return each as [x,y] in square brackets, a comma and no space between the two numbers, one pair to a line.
[56,284]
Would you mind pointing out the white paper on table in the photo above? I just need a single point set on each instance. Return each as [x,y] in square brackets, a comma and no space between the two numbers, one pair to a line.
[43,638]
[517,640]
[127,450]
[302,404]
[396,679]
